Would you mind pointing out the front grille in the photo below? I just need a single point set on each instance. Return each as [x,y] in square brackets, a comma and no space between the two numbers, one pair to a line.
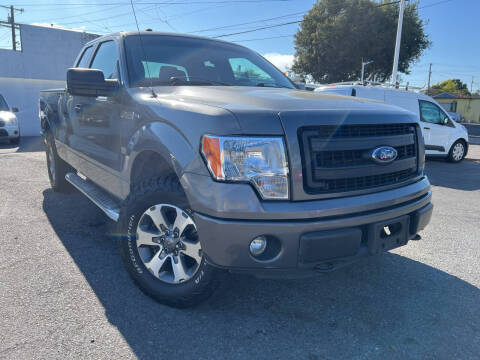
[2,123]
[333,131]
[337,159]
[356,157]
[366,182]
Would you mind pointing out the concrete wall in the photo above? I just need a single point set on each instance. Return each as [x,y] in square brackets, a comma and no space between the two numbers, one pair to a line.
[46,55]
[468,108]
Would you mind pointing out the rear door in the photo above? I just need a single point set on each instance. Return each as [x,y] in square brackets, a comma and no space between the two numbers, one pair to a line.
[435,127]
[95,121]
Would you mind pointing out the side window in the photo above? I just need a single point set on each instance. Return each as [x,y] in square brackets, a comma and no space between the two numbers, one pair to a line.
[431,113]
[83,61]
[247,73]
[106,59]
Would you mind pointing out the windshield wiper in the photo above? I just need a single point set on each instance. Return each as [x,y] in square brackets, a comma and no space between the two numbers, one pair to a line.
[184,80]
[272,85]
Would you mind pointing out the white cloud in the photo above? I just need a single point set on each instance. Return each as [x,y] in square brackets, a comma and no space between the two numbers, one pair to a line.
[283,61]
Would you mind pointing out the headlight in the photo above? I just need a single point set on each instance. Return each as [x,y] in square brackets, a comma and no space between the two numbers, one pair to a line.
[260,161]
[9,119]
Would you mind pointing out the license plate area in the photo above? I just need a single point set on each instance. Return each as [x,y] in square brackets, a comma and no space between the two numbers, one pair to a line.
[388,235]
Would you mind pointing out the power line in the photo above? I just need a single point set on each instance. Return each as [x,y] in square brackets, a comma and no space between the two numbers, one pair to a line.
[158,3]
[258,29]
[285,23]
[265,38]
[248,23]
[434,4]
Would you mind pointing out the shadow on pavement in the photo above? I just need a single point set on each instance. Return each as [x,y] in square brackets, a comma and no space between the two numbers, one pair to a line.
[446,174]
[27,144]
[382,307]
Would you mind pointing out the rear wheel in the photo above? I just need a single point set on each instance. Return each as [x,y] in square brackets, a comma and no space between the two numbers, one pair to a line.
[57,168]
[457,152]
[161,247]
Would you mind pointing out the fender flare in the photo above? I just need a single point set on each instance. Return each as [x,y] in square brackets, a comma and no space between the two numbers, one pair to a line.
[165,140]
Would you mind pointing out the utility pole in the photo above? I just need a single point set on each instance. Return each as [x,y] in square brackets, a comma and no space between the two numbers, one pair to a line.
[397,42]
[429,77]
[11,21]
[363,67]
[471,87]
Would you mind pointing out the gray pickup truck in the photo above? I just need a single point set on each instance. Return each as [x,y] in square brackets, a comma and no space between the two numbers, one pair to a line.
[209,159]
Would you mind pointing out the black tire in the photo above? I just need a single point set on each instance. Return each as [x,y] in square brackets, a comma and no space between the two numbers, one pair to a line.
[163,190]
[453,153]
[56,167]
[15,141]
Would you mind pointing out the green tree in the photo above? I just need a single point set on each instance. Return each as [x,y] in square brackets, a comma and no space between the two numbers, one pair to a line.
[452,86]
[336,35]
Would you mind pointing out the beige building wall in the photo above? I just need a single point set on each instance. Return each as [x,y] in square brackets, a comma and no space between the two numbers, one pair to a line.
[468,108]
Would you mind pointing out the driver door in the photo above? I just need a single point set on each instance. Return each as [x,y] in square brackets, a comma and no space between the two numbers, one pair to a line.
[435,127]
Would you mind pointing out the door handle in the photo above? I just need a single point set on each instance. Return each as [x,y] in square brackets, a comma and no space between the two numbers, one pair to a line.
[426,128]
[78,108]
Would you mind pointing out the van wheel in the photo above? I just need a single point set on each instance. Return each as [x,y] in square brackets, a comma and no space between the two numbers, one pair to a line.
[57,168]
[160,246]
[457,152]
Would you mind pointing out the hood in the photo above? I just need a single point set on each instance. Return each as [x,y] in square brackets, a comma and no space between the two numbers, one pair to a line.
[259,109]
[238,99]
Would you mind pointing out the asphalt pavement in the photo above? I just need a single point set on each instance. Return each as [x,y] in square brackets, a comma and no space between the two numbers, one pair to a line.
[64,292]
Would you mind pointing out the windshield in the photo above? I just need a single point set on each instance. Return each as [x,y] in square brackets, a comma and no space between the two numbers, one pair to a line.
[3,104]
[173,60]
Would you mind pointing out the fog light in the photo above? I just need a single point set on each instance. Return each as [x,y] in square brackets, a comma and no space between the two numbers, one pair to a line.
[258,245]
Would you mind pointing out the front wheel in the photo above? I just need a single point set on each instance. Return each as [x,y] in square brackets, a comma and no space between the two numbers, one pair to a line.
[457,152]
[161,247]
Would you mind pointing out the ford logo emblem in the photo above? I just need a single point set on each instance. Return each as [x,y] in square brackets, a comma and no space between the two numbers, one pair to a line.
[384,155]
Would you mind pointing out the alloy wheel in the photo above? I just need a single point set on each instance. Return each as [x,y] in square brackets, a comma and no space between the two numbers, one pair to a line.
[168,244]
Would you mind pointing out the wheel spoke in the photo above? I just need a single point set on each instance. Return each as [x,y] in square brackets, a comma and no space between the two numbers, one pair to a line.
[182,220]
[192,250]
[145,237]
[158,217]
[179,273]
[156,263]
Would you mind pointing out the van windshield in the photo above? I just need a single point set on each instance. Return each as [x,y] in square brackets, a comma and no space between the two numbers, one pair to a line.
[173,60]
[3,104]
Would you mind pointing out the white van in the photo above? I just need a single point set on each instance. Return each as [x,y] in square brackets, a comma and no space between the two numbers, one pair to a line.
[443,136]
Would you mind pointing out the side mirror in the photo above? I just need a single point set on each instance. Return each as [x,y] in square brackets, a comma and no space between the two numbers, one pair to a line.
[14,109]
[445,120]
[90,82]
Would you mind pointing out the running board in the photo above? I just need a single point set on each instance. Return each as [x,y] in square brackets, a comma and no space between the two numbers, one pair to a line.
[98,196]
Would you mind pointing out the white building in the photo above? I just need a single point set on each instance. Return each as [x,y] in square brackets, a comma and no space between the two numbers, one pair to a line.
[46,53]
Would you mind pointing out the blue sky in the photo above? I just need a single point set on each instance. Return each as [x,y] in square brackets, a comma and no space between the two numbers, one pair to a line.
[452,25]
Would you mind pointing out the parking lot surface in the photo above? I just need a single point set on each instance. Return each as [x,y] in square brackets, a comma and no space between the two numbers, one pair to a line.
[65,294]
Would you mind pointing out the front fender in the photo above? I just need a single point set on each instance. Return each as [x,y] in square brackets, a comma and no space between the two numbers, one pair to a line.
[162,138]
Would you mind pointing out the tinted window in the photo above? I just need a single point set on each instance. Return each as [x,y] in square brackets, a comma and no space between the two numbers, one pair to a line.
[106,59]
[431,113]
[83,61]
[246,72]
[3,104]
[197,62]
[154,69]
